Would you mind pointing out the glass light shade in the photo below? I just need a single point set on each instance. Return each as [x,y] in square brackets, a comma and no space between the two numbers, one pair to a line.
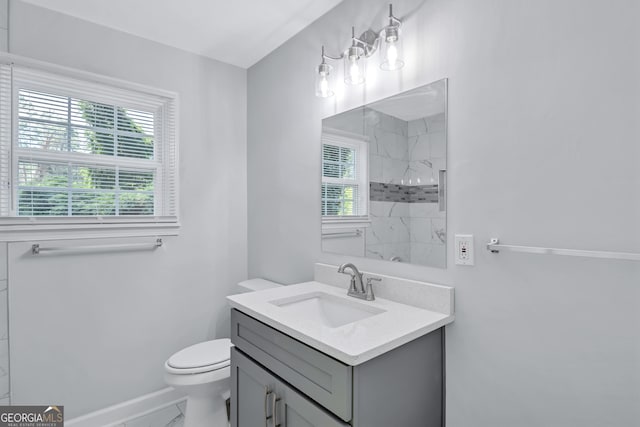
[324,81]
[391,49]
[354,66]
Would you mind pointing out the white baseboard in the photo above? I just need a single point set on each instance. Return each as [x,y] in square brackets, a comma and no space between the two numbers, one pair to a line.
[125,411]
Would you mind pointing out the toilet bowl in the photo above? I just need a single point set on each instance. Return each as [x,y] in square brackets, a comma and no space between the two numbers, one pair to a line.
[203,372]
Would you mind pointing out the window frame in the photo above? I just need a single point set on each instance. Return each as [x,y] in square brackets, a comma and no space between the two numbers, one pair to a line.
[361,145]
[164,221]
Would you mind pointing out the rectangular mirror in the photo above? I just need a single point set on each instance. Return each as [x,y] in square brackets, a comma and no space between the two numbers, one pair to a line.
[384,178]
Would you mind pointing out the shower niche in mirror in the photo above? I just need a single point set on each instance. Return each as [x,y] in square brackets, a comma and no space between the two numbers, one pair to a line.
[384,178]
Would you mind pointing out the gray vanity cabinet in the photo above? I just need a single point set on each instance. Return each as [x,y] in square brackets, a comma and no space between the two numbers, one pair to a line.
[402,387]
[265,400]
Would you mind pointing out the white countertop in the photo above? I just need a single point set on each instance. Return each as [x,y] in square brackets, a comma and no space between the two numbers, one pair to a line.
[353,343]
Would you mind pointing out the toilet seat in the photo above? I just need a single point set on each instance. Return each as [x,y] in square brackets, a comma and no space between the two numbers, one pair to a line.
[200,358]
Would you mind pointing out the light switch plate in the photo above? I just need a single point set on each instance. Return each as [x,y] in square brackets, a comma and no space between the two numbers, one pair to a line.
[464,249]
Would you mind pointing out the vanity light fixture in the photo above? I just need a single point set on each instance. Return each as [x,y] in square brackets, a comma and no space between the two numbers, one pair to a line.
[324,78]
[355,56]
[392,46]
[354,65]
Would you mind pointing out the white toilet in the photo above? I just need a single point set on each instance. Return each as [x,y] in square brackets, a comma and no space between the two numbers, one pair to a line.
[202,371]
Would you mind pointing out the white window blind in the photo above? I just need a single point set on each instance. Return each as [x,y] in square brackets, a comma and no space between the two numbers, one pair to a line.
[80,151]
[345,186]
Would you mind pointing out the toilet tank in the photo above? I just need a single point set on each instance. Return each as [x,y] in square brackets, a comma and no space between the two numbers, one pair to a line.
[253,285]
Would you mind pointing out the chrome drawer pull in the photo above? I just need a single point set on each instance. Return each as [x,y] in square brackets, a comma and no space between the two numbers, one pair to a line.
[274,410]
[267,393]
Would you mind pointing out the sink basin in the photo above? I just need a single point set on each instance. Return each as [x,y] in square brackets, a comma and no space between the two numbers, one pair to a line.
[329,310]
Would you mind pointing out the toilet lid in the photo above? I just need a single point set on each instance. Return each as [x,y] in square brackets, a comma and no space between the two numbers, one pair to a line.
[203,354]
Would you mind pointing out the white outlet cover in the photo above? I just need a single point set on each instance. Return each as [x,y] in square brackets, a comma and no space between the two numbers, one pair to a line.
[464,249]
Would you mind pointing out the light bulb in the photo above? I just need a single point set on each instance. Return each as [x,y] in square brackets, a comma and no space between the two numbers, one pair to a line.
[392,55]
[354,71]
[324,87]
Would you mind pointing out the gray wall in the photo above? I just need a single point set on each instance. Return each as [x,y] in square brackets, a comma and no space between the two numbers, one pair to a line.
[100,334]
[543,150]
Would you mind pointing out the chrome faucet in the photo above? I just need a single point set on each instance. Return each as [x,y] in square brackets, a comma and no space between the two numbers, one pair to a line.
[356,289]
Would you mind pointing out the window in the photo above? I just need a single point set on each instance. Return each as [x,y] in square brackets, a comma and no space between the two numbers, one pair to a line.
[345,187]
[83,152]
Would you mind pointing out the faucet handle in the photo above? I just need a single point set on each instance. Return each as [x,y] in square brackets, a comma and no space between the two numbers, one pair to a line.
[369,295]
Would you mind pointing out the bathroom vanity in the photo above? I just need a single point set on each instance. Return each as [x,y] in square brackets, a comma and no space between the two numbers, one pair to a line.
[308,355]
[277,378]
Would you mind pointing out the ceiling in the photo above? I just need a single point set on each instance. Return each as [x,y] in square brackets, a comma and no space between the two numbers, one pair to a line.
[424,101]
[238,32]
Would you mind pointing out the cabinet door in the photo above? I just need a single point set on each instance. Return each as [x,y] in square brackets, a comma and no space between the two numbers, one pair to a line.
[318,376]
[252,390]
[258,399]
[295,410]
